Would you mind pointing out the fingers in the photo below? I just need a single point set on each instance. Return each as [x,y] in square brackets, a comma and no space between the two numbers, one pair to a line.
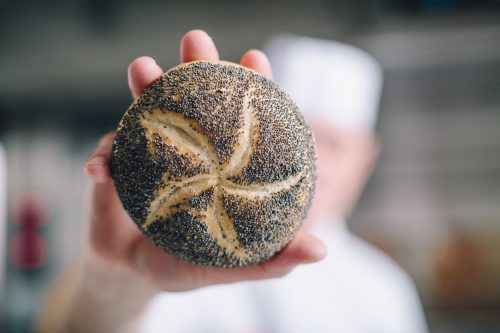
[96,166]
[257,60]
[176,275]
[197,45]
[304,248]
[141,73]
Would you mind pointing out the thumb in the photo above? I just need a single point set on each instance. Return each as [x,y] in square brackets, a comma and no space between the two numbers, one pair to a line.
[105,204]
[106,211]
[97,165]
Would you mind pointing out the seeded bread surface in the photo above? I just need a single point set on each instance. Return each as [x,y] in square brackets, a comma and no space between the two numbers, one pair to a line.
[215,164]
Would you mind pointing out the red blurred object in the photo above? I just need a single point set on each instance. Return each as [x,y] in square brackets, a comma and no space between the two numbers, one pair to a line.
[30,210]
[28,249]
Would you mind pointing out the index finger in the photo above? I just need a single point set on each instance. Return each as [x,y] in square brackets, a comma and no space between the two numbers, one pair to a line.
[141,73]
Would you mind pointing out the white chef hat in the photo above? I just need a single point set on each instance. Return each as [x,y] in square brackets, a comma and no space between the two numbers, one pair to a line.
[329,81]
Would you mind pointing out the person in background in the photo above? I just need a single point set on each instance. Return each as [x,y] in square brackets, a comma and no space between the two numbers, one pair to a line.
[357,288]
[116,286]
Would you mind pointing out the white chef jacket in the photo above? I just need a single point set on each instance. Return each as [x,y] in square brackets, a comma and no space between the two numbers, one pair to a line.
[355,289]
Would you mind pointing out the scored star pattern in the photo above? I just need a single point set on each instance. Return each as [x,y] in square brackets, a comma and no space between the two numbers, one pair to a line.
[188,138]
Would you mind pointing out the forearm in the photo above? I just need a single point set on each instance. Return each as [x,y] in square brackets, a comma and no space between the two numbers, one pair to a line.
[99,297]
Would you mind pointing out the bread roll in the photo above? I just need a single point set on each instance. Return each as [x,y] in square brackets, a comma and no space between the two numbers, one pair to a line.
[215,164]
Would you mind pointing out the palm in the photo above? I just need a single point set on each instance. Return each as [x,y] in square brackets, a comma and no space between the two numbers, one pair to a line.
[115,237]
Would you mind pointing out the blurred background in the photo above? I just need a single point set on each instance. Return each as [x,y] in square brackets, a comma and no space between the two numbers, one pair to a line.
[433,203]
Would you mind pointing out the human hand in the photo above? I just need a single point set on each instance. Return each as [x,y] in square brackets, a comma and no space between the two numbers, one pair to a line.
[115,240]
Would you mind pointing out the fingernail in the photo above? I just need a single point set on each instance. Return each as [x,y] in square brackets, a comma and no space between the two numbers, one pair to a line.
[95,169]
[203,32]
[96,160]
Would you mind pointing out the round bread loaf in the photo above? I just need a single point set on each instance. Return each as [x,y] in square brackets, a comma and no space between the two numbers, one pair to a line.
[215,164]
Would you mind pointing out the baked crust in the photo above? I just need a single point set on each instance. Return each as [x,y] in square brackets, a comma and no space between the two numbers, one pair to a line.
[215,164]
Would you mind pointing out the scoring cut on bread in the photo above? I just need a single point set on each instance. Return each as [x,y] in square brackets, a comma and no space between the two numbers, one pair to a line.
[215,164]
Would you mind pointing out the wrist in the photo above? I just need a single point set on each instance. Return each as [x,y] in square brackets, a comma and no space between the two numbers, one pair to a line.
[108,296]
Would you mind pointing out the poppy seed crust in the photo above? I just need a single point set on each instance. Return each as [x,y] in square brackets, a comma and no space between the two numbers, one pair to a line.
[215,164]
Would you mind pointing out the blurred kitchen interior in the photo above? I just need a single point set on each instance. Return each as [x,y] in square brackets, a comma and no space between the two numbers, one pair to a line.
[433,203]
